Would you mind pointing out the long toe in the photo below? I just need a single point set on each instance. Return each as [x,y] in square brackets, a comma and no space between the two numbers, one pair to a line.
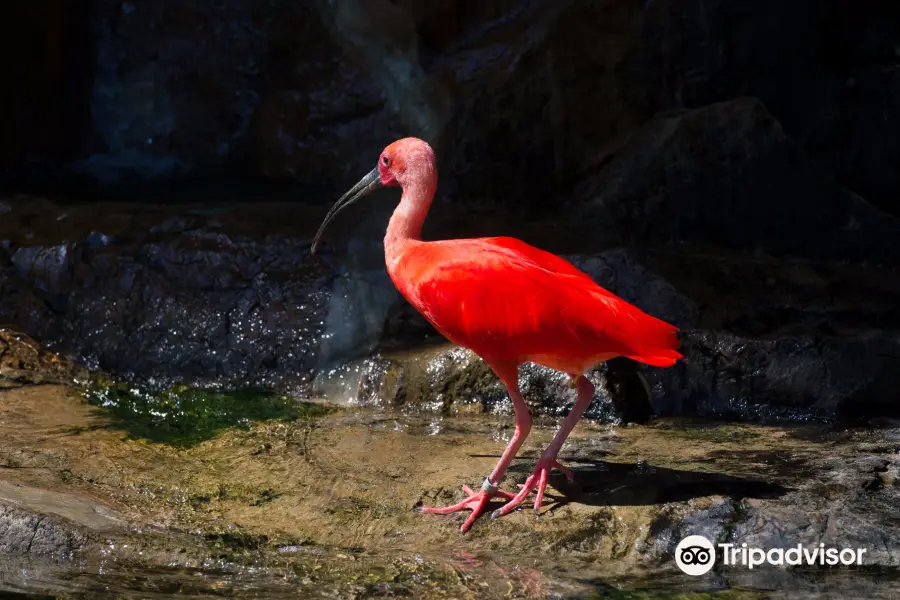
[445,510]
[477,510]
[541,486]
[475,501]
[517,499]
[536,481]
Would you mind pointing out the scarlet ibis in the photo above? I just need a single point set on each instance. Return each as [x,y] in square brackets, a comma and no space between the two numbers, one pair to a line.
[508,302]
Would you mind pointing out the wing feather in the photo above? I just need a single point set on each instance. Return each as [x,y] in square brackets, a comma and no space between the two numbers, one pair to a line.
[503,298]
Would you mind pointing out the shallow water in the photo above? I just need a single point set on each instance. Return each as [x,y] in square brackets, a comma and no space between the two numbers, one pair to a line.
[319,505]
[185,416]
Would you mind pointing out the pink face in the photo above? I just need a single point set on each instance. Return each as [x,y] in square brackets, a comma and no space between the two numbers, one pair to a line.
[408,157]
[386,167]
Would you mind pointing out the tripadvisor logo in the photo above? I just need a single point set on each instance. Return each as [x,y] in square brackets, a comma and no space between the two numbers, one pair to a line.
[696,555]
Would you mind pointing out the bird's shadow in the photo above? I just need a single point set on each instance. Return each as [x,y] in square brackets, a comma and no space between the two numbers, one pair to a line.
[603,483]
[598,482]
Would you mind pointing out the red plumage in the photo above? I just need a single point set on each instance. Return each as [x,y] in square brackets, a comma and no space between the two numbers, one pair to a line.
[507,300]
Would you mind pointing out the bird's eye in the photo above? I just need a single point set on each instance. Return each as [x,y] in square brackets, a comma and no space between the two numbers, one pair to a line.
[385,161]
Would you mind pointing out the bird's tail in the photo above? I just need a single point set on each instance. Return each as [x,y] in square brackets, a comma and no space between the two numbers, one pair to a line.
[654,342]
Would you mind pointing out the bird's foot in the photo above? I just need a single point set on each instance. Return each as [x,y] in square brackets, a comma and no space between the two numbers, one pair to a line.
[476,502]
[536,481]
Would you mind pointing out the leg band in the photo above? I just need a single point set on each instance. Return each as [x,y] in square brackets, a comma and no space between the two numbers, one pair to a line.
[489,487]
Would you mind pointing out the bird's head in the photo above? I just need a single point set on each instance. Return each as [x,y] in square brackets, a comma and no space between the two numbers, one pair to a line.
[405,163]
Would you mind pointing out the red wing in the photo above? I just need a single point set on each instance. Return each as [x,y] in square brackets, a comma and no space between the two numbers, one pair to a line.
[544,259]
[541,258]
[501,297]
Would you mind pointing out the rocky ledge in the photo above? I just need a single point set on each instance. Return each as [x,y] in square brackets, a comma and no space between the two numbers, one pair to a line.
[180,297]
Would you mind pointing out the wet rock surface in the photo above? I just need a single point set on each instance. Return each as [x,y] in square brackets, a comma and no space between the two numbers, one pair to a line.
[261,507]
[171,296]
[25,532]
[797,378]
[228,296]
[23,361]
[793,377]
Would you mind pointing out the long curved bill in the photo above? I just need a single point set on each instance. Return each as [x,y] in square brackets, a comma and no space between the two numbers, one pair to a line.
[365,186]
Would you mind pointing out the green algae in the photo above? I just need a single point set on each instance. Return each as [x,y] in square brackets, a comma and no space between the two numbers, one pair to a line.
[184,416]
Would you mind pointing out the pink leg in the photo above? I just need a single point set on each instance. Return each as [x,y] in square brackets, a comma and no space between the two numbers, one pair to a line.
[538,478]
[476,501]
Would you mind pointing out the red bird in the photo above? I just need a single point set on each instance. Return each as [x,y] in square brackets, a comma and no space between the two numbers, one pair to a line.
[509,303]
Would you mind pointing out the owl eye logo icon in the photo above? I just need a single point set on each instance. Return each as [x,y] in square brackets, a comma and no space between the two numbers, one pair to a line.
[695,555]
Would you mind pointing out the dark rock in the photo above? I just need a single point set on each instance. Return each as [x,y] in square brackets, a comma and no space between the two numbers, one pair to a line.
[188,88]
[833,509]
[849,522]
[208,85]
[792,377]
[618,271]
[200,305]
[727,175]
[827,70]
[538,93]
[49,270]
[171,88]
[183,300]
[42,522]
[677,522]
[455,380]
[22,532]
[628,391]
[22,309]
[381,37]
[210,300]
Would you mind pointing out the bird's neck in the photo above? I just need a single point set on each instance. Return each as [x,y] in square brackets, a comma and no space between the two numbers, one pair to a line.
[409,216]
